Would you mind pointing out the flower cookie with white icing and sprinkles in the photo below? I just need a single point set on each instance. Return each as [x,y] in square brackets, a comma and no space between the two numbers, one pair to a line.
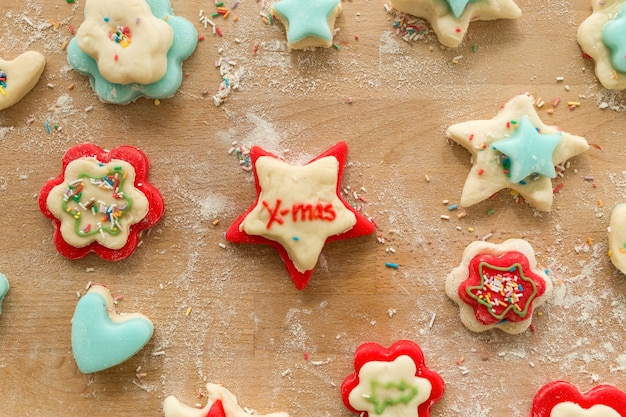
[221,403]
[617,237]
[562,399]
[514,150]
[602,36]
[132,48]
[298,209]
[391,382]
[19,76]
[498,286]
[309,23]
[101,202]
[451,18]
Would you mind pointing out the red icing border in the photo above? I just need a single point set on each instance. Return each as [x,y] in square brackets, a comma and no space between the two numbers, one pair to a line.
[362,227]
[504,260]
[556,392]
[156,205]
[372,351]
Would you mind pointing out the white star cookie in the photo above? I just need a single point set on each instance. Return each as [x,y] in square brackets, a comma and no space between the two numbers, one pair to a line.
[451,18]
[491,171]
[593,34]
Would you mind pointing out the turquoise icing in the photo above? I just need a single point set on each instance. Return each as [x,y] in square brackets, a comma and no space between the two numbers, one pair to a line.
[4,288]
[306,18]
[98,342]
[614,38]
[529,151]
[183,45]
[458,6]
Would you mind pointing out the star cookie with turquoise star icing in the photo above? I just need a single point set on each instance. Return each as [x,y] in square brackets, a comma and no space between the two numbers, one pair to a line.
[451,18]
[602,36]
[514,150]
[298,209]
[309,23]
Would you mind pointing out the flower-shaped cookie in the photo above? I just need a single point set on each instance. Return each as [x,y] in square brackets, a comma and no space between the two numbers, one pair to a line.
[309,23]
[221,403]
[617,237]
[391,382]
[19,76]
[101,202]
[132,48]
[514,150]
[298,209]
[451,18]
[601,37]
[497,286]
[562,399]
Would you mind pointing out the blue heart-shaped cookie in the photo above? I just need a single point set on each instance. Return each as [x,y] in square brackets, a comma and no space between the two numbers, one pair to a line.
[100,337]
[4,288]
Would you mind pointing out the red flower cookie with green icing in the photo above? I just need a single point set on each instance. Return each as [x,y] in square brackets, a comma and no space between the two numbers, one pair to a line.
[298,209]
[497,286]
[101,202]
[391,382]
[562,399]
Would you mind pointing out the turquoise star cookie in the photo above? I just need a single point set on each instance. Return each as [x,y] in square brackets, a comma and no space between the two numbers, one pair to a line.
[529,151]
[183,45]
[613,36]
[458,6]
[307,19]
[4,288]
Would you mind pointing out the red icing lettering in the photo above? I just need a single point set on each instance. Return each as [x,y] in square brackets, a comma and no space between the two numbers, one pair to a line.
[274,213]
[300,212]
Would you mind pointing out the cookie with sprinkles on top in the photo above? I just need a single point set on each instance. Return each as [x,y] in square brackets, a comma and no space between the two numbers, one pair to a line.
[450,19]
[19,76]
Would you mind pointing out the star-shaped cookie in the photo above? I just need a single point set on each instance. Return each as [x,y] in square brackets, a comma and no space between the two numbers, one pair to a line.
[451,18]
[298,209]
[516,129]
[600,37]
[309,23]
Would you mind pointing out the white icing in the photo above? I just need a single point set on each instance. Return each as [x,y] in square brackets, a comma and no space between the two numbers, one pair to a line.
[22,73]
[569,409]
[144,59]
[313,183]
[400,369]
[94,168]
[617,237]
[174,408]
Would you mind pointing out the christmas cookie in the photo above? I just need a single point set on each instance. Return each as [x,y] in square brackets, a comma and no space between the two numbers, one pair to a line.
[451,18]
[514,150]
[19,76]
[601,36]
[132,48]
[497,286]
[298,209]
[617,237]
[101,202]
[4,288]
[309,23]
[391,382]
[101,338]
[221,403]
[562,399]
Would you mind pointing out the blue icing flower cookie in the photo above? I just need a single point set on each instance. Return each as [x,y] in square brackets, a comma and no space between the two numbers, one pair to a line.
[132,48]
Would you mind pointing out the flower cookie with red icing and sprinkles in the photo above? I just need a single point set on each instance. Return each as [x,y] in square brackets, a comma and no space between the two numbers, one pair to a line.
[562,399]
[391,382]
[450,19]
[617,237]
[132,48]
[498,286]
[602,38]
[514,150]
[298,209]
[309,23]
[101,202]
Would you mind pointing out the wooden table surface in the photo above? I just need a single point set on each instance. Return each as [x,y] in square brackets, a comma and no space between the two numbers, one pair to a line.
[249,328]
